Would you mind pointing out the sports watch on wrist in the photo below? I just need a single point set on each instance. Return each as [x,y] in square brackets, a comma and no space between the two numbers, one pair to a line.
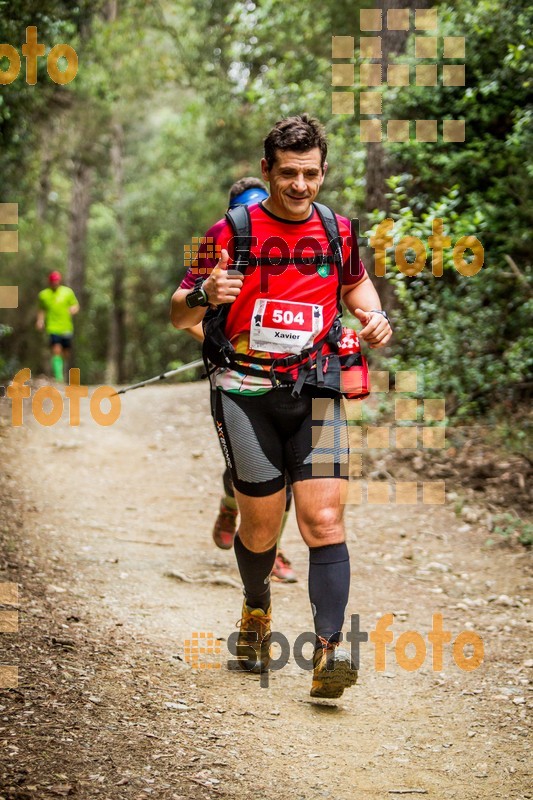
[379,311]
[198,297]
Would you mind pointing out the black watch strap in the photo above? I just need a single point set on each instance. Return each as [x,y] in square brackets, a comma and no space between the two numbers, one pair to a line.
[198,297]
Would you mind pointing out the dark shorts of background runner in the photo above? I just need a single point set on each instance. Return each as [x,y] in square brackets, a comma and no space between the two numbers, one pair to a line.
[265,436]
[60,338]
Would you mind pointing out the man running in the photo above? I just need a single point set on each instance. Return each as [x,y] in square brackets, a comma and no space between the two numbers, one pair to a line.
[57,306]
[246,191]
[278,406]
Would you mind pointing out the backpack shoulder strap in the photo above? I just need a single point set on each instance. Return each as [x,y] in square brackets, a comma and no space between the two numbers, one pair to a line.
[216,346]
[331,226]
[241,225]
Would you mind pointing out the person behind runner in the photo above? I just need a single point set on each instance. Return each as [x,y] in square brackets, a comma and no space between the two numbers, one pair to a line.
[285,415]
[57,306]
[246,191]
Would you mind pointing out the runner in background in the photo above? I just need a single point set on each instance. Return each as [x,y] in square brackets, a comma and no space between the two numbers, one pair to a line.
[246,191]
[57,306]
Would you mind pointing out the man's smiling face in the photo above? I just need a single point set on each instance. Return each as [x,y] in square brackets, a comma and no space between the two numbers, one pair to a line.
[295,180]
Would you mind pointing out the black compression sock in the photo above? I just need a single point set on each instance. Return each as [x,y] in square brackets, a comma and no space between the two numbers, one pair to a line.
[255,569]
[329,587]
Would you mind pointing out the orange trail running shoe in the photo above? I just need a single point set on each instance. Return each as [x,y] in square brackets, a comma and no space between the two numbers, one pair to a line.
[333,670]
[225,527]
[253,644]
[282,570]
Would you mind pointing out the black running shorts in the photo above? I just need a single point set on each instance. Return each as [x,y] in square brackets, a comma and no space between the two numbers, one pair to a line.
[64,339]
[265,436]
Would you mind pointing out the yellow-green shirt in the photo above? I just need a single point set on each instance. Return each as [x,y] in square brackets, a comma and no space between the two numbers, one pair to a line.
[55,305]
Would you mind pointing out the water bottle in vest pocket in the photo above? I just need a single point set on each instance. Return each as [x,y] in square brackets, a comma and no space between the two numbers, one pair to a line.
[355,382]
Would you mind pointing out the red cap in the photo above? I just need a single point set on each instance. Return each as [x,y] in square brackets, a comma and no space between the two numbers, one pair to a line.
[54,277]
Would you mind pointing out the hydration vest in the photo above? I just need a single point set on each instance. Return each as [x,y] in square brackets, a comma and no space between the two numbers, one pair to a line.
[217,350]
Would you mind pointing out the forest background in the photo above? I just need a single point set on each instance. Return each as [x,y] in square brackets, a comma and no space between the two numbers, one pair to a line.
[115,172]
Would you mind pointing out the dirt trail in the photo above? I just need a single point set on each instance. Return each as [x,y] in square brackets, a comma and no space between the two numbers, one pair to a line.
[92,518]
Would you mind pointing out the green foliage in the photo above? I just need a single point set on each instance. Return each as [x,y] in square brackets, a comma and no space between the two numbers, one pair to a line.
[5,366]
[470,336]
[195,85]
[467,347]
[512,429]
[458,506]
[510,527]
[491,167]
[24,108]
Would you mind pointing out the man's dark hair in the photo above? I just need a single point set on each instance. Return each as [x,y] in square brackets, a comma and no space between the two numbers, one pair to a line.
[299,133]
[243,184]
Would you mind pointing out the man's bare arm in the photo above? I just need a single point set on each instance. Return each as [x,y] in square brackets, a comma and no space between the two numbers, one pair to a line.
[220,287]
[197,332]
[361,300]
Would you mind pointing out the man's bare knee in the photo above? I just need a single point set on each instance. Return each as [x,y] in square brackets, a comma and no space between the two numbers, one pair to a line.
[260,520]
[258,541]
[323,524]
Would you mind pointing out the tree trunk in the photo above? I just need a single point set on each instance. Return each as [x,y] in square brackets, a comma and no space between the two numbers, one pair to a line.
[80,206]
[379,166]
[115,352]
[110,10]
[116,342]
[44,185]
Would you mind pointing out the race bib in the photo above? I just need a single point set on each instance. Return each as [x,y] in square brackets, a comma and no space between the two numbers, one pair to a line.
[278,326]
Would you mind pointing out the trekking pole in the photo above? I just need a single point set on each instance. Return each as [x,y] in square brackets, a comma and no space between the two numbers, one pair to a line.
[198,363]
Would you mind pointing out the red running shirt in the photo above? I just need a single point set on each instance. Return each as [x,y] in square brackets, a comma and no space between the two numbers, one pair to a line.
[278,238]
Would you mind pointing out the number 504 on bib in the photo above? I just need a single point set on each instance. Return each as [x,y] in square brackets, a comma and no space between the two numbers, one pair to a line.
[279,326]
